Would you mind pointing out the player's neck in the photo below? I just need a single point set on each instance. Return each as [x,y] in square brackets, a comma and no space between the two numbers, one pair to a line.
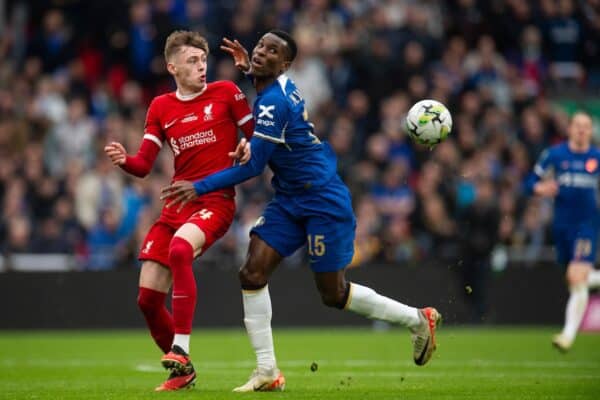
[261,83]
[185,94]
[578,148]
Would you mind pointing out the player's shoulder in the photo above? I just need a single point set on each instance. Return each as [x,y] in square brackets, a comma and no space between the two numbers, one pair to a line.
[275,94]
[222,85]
[558,150]
[595,151]
[163,100]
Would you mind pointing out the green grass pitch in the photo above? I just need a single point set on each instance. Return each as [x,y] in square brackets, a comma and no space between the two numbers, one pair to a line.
[471,363]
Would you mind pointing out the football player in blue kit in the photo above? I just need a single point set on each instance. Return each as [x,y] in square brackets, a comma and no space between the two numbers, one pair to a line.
[311,206]
[569,173]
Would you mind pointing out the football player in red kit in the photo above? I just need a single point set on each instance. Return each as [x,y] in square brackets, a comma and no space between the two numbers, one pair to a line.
[199,121]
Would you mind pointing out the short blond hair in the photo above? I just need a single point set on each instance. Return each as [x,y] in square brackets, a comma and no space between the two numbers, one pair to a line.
[177,39]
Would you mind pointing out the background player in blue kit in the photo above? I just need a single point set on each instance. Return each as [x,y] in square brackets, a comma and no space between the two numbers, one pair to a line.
[311,206]
[569,172]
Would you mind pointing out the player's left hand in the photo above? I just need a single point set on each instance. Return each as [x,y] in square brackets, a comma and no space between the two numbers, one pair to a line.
[180,192]
[242,152]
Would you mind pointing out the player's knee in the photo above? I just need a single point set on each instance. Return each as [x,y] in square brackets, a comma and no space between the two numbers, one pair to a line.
[252,279]
[180,251]
[148,302]
[334,298]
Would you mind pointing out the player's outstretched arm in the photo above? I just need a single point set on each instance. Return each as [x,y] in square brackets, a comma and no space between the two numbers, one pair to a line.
[238,53]
[116,152]
[546,188]
[182,192]
[138,165]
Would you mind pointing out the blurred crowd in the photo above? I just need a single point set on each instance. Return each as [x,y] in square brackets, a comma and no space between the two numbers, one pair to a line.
[75,75]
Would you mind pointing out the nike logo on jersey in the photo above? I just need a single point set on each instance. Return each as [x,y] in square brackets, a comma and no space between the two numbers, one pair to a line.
[170,124]
[265,111]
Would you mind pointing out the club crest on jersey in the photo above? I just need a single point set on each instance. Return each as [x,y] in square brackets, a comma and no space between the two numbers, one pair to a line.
[148,246]
[591,165]
[208,112]
[265,111]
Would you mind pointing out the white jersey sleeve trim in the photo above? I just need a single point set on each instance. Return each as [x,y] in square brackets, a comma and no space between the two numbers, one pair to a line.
[154,139]
[269,138]
[244,120]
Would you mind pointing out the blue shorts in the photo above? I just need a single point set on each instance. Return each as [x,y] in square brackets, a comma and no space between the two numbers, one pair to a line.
[322,218]
[575,243]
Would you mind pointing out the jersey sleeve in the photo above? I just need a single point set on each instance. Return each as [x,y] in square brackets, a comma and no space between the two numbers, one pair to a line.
[261,153]
[271,118]
[544,165]
[152,128]
[240,111]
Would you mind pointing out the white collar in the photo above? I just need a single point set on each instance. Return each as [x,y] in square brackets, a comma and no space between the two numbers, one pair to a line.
[188,97]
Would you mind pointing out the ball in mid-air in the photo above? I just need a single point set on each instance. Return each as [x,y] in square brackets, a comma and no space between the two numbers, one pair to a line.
[428,122]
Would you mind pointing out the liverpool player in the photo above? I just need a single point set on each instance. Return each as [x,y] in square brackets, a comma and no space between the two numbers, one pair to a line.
[199,122]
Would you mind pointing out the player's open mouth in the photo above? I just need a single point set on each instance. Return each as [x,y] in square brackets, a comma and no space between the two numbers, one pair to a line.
[256,62]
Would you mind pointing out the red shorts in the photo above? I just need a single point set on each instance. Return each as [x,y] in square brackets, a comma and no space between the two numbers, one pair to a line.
[212,213]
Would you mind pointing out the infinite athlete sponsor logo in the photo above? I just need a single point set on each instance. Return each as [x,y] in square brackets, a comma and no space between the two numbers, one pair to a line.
[576,179]
[265,122]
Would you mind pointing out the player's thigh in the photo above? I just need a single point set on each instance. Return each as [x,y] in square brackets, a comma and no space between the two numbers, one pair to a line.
[332,286]
[578,271]
[205,226]
[155,246]
[330,242]
[155,276]
[278,228]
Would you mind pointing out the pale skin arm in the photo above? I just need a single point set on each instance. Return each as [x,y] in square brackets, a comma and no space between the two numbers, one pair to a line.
[117,153]
[546,188]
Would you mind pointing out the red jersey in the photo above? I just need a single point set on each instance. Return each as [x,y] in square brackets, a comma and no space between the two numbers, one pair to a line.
[200,131]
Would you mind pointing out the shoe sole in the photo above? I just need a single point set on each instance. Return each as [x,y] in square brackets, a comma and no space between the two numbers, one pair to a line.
[170,363]
[560,348]
[431,343]
[188,386]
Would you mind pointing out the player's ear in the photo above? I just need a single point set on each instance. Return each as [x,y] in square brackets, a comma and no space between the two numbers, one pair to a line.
[286,65]
[171,68]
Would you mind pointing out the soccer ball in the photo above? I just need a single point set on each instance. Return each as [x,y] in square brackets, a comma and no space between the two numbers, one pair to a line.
[428,122]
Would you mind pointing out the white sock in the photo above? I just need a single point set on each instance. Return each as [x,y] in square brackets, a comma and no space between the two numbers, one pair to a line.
[182,341]
[575,309]
[594,279]
[365,301]
[257,318]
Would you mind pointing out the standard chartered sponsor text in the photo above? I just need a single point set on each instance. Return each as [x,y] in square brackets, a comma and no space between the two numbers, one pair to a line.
[196,139]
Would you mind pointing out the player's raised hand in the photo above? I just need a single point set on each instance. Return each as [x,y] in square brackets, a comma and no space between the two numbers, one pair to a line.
[116,152]
[546,188]
[242,152]
[180,192]
[239,54]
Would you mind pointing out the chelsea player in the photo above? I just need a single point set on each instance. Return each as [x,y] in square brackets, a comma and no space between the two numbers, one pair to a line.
[311,206]
[569,173]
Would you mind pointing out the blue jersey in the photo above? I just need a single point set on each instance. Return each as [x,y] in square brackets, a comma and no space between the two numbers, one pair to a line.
[575,227]
[301,160]
[577,175]
[311,205]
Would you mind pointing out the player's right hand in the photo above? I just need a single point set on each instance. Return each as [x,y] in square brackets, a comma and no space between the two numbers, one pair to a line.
[116,152]
[239,54]
[546,188]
